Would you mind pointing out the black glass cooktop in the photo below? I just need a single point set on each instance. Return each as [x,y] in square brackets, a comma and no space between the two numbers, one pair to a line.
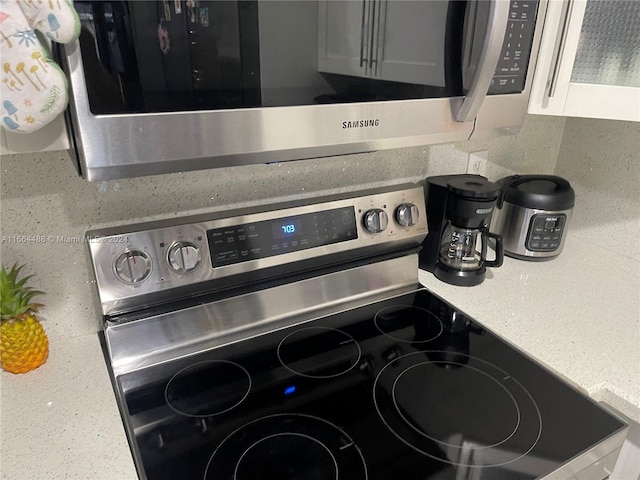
[407,388]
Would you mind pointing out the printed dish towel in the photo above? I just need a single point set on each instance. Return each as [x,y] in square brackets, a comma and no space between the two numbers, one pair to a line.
[34,88]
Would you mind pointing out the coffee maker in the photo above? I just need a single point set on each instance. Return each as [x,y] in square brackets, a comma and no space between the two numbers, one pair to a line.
[459,209]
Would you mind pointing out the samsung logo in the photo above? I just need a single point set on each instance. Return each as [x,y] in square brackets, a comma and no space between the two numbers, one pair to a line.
[361,123]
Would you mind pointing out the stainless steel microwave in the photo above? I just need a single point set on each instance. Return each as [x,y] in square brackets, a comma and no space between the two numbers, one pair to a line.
[174,85]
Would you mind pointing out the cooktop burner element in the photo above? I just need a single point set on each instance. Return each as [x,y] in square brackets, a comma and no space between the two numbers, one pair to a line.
[421,402]
[409,324]
[319,352]
[195,390]
[287,446]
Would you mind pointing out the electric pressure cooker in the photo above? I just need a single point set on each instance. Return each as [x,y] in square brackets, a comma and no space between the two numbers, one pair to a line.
[532,215]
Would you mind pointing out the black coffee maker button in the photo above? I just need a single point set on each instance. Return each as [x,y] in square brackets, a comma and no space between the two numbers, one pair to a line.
[544,245]
[553,245]
[535,244]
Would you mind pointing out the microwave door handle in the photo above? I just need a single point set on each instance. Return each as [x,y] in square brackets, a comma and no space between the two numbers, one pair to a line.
[489,56]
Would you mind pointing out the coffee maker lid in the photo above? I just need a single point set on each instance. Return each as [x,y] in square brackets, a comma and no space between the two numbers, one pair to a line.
[473,186]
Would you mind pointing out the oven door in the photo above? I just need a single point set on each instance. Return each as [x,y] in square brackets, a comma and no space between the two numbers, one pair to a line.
[175,85]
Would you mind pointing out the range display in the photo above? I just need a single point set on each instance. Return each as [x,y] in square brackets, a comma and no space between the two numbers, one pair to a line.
[241,243]
[407,388]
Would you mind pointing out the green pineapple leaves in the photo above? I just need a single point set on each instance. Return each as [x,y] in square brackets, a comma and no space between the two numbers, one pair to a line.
[16,297]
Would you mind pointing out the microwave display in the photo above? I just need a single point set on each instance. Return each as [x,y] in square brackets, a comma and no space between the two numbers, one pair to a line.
[196,55]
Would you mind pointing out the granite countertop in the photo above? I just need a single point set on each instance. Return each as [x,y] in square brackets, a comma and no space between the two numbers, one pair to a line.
[579,315]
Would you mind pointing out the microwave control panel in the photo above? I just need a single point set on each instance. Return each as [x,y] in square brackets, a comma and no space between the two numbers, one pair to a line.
[511,71]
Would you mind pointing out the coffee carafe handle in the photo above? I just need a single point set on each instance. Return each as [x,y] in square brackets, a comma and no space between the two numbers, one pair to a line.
[499,250]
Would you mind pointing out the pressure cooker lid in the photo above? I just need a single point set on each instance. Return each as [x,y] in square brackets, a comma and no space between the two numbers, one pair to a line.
[543,192]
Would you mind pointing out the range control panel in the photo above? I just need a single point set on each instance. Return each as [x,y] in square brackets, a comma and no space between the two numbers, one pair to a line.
[511,71]
[140,265]
[545,232]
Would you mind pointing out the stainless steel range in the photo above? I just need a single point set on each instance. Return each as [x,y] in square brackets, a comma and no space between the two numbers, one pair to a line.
[294,342]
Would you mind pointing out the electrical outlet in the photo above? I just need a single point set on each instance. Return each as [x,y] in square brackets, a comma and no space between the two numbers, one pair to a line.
[477,163]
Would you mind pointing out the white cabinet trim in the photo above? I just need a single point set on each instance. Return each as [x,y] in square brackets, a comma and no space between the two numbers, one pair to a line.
[568,98]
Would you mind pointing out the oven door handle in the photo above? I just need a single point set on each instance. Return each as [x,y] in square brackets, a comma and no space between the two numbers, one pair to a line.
[489,56]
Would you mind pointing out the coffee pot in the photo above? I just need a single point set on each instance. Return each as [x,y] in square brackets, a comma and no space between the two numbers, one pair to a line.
[459,209]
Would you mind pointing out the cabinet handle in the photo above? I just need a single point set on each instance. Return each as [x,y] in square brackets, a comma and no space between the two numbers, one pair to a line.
[558,49]
[372,31]
[381,3]
[489,56]
[362,59]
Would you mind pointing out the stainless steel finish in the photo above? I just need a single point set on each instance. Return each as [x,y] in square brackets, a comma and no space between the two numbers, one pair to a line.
[376,221]
[139,344]
[109,146]
[489,56]
[407,214]
[132,266]
[504,114]
[596,463]
[155,239]
[184,257]
[512,222]
[558,48]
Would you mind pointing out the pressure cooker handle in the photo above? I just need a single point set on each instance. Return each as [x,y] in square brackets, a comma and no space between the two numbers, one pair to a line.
[499,251]
[489,56]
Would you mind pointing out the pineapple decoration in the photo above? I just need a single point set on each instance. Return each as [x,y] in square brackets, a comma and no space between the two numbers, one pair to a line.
[24,345]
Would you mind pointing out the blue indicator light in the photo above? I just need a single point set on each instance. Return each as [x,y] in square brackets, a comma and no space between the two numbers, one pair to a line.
[288,229]
[290,390]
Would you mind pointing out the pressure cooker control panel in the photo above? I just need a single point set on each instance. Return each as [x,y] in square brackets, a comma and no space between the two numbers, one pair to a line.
[545,232]
[138,264]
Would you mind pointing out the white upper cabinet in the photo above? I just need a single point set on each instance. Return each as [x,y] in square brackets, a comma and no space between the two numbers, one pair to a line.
[399,41]
[589,60]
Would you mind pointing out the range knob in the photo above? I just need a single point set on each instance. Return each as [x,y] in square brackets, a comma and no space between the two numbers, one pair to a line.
[132,266]
[407,214]
[376,220]
[183,257]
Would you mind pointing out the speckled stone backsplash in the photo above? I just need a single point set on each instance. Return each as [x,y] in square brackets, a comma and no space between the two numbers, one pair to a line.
[601,159]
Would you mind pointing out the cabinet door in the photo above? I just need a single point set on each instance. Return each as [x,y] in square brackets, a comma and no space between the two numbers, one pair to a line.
[343,28]
[589,61]
[409,38]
